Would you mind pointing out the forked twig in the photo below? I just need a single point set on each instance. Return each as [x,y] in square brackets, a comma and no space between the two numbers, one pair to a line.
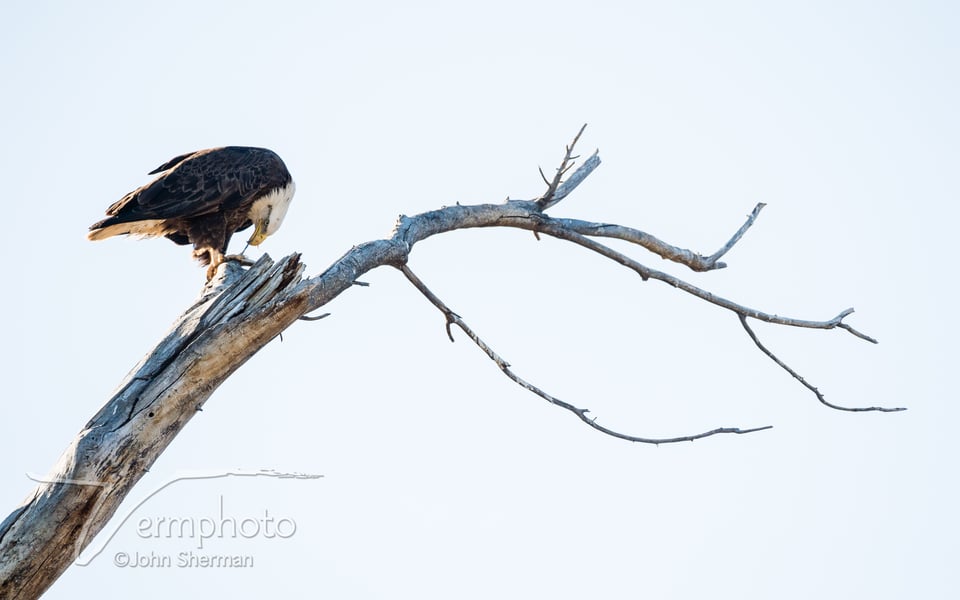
[693,260]
[556,229]
[550,197]
[453,318]
[806,384]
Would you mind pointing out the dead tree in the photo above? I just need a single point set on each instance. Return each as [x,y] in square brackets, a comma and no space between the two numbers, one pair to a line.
[240,311]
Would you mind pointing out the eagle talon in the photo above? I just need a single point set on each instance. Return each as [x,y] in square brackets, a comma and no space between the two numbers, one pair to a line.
[243,260]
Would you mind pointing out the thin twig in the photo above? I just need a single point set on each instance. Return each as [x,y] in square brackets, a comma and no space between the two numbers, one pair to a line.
[806,384]
[862,336]
[453,318]
[325,315]
[713,258]
[549,198]
[316,318]
[543,177]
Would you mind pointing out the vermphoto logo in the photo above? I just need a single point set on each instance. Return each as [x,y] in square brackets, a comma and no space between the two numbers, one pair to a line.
[213,522]
[220,526]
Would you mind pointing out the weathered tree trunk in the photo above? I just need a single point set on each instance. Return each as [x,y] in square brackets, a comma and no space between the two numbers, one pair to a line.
[236,316]
[113,451]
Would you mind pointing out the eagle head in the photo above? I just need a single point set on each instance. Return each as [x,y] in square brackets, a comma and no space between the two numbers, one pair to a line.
[267,212]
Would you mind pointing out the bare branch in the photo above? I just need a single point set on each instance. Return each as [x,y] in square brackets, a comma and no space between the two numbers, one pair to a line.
[571,183]
[555,228]
[453,318]
[550,197]
[806,384]
[543,176]
[862,336]
[694,261]
[713,258]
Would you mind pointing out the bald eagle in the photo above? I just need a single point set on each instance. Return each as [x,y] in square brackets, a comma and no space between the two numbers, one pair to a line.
[203,198]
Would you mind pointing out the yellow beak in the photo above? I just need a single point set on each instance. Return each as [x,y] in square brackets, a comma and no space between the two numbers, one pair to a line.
[259,233]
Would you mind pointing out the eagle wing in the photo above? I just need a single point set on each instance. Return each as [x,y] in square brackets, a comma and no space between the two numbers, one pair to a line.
[193,185]
[224,181]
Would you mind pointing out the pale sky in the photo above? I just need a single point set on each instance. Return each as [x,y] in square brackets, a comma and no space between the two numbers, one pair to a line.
[441,478]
